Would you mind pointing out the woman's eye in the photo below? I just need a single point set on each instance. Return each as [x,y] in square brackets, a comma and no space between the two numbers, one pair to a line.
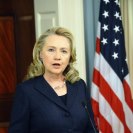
[50,50]
[64,51]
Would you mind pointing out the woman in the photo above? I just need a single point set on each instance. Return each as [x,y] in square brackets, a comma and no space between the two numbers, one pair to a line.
[53,99]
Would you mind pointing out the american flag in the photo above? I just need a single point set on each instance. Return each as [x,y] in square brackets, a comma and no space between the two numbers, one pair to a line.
[111,92]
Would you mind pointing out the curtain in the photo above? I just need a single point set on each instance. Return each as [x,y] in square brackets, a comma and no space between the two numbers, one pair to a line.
[127,18]
[91,12]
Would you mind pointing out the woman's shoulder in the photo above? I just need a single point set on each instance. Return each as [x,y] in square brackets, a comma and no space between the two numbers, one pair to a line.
[80,81]
[29,83]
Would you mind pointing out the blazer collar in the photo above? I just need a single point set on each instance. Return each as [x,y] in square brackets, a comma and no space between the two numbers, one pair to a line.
[45,89]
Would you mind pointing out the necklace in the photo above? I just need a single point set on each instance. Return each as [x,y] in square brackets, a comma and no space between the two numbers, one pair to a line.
[60,87]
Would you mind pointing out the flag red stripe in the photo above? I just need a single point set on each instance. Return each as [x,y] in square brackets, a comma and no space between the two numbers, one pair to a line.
[95,109]
[98,45]
[111,97]
[105,127]
[128,95]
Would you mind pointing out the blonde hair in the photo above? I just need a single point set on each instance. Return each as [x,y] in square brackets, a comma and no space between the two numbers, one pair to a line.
[37,68]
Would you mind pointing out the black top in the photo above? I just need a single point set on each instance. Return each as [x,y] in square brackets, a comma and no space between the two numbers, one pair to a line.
[63,98]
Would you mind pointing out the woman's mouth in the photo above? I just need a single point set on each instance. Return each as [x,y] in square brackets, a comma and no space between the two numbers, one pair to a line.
[56,65]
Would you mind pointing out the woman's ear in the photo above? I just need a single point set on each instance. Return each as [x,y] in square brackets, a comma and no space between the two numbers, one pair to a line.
[41,56]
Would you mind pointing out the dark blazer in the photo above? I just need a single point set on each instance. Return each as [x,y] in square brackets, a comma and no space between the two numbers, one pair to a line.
[38,109]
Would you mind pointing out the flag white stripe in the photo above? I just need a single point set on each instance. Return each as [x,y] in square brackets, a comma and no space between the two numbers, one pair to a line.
[95,92]
[97,61]
[127,80]
[98,29]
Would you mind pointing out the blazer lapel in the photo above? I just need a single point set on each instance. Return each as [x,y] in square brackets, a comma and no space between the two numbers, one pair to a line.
[45,89]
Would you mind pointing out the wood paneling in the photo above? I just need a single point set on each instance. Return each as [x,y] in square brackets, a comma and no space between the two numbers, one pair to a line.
[7,66]
[7,55]
[17,38]
[3,130]
[25,34]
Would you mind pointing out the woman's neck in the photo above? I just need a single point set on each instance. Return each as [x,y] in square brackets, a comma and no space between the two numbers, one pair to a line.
[53,77]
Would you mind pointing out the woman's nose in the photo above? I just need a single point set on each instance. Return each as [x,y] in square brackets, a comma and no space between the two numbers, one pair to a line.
[58,55]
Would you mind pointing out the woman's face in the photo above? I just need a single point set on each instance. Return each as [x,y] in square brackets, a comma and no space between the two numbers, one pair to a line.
[55,54]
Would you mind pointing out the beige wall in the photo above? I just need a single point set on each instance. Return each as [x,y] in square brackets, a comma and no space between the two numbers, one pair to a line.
[127,17]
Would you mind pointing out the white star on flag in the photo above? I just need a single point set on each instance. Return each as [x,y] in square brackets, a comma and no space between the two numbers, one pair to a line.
[116,42]
[106,14]
[115,55]
[104,41]
[126,59]
[116,29]
[122,70]
[106,1]
[117,15]
[117,2]
[105,27]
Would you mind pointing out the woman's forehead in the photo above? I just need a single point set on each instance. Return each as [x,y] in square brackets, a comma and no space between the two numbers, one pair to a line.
[57,40]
